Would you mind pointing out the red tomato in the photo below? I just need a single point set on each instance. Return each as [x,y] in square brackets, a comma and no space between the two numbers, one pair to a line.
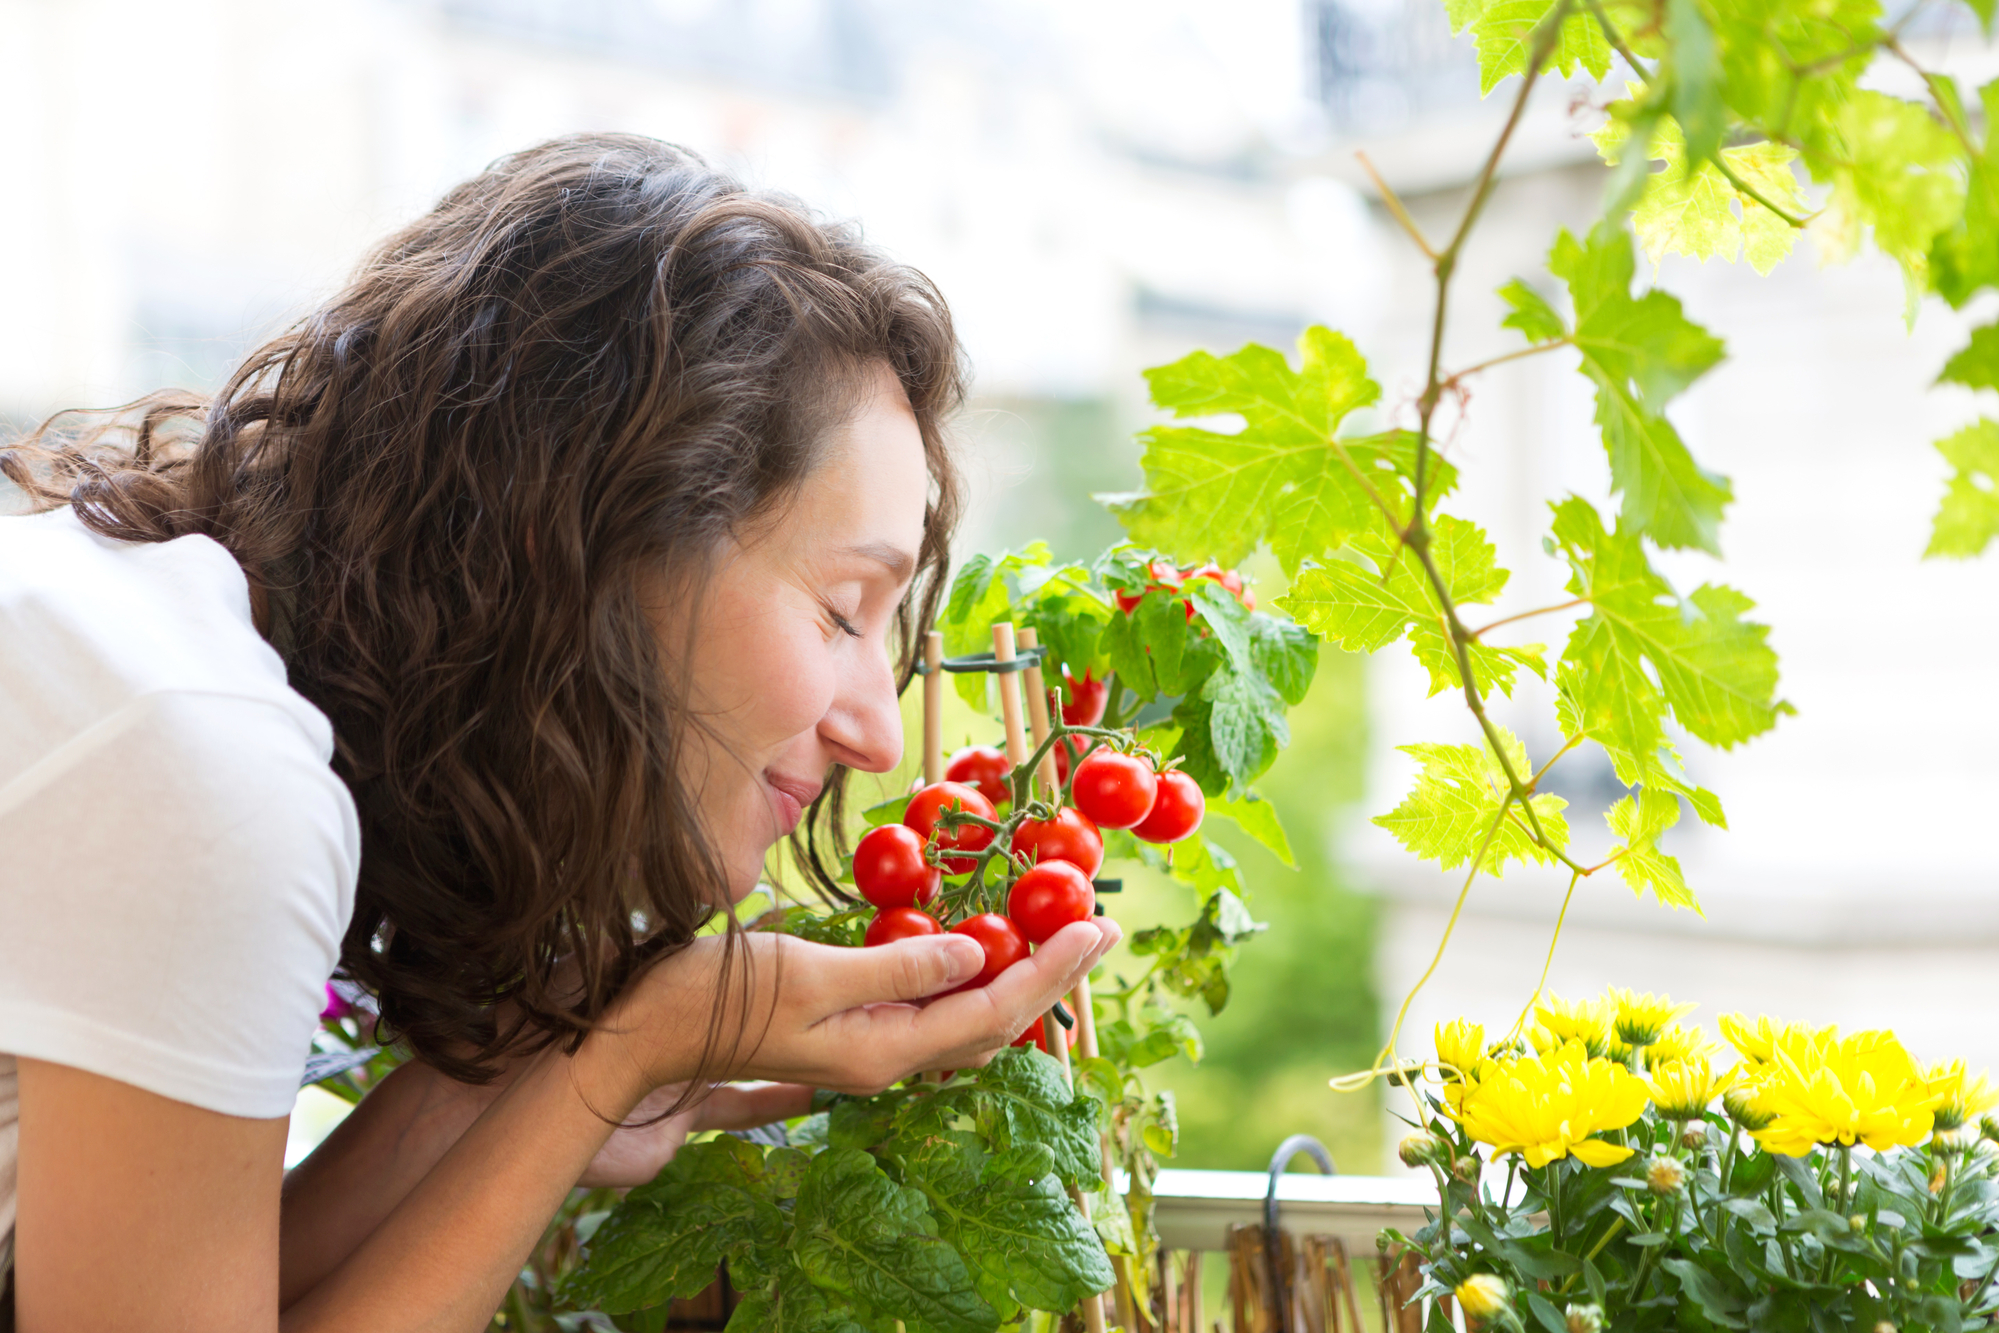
[1036,1036]
[890,870]
[1176,812]
[1000,938]
[1116,790]
[1088,698]
[1069,837]
[1052,895]
[938,796]
[900,923]
[983,767]
[1164,577]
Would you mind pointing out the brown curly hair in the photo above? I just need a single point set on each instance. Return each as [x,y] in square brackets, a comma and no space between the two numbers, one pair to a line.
[594,361]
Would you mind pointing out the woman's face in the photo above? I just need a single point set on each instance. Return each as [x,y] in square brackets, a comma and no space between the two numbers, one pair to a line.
[790,658]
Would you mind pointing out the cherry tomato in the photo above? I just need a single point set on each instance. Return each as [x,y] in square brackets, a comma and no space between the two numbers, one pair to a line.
[1163,577]
[900,923]
[1088,698]
[1176,812]
[1116,790]
[1036,1036]
[1069,837]
[938,796]
[982,767]
[1052,895]
[1000,938]
[890,870]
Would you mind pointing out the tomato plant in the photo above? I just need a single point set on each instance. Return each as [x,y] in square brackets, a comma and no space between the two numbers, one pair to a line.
[1070,836]
[889,868]
[1052,895]
[930,805]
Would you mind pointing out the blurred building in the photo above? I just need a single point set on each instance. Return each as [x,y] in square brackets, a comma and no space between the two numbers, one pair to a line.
[1103,186]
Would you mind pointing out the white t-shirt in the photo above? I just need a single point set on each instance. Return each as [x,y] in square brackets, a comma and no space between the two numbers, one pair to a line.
[177,859]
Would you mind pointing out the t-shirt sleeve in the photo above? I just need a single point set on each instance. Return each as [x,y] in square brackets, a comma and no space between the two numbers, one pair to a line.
[174,885]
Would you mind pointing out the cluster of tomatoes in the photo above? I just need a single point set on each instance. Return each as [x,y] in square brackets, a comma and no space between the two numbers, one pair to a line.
[1163,576]
[894,871]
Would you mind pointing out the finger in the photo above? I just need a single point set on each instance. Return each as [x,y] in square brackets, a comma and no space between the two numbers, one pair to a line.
[903,971]
[747,1105]
[984,1019]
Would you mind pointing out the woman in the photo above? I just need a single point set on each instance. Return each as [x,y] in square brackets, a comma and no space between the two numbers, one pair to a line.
[479,638]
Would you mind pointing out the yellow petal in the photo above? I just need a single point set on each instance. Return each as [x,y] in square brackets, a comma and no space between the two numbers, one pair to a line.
[1595,1152]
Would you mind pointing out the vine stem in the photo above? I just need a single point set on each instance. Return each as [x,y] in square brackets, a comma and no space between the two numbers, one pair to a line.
[1451,380]
[1520,1023]
[1529,615]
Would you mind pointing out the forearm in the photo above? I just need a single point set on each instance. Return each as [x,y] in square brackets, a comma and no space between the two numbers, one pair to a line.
[446,1251]
[368,1165]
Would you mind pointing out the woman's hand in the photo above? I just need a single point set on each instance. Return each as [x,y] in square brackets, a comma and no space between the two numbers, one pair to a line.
[637,1150]
[853,1020]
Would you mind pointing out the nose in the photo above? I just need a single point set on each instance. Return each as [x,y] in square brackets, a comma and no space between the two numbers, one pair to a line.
[863,728]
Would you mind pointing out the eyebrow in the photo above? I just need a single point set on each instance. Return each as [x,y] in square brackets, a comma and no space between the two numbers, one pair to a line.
[897,561]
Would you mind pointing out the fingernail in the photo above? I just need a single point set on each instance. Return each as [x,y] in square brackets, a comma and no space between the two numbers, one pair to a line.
[963,958]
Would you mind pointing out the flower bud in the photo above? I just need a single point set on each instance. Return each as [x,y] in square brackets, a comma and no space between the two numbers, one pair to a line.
[1422,1149]
[1693,1136]
[1857,1223]
[1584,1318]
[1961,1139]
[1465,1170]
[1989,1127]
[1885,1327]
[1740,1103]
[1483,1295]
[1665,1175]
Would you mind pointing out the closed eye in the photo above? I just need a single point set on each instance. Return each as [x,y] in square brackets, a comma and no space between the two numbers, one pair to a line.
[844,625]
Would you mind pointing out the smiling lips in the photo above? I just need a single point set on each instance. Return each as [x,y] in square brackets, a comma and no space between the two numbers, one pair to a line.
[790,796]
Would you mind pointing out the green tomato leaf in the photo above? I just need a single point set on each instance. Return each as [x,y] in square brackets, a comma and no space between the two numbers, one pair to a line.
[1286,654]
[710,1202]
[1008,1215]
[1258,818]
[1969,516]
[1021,1098]
[875,1243]
[1454,807]
[1246,724]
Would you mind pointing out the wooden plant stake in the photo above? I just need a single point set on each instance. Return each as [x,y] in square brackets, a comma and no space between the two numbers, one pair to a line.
[1037,714]
[1017,754]
[933,707]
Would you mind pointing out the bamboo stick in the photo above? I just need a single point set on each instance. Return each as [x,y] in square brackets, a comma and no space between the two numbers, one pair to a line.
[933,708]
[1017,754]
[1037,714]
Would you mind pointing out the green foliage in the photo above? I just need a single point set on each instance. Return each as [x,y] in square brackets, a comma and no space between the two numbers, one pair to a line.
[1453,815]
[941,1206]
[1969,517]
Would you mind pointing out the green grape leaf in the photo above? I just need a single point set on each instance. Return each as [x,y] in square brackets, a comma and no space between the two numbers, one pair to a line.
[1258,818]
[1965,257]
[1689,207]
[1504,31]
[1532,314]
[1969,517]
[1640,352]
[1448,814]
[1007,1214]
[1022,1098]
[710,1202]
[1761,45]
[1695,75]
[1894,168]
[1214,495]
[1714,670]
[874,1242]
[1637,821]
[1364,608]
[1659,770]
[1322,511]
[1976,365]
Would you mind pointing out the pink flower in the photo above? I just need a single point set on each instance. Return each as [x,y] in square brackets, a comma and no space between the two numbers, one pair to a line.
[337,1006]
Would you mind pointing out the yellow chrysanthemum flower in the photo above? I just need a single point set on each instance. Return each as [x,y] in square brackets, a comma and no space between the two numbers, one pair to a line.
[1681,1043]
[1819,1087]
[1545,1108]
[1758,1041]
[1964,1099]
[1683,1089]
[1460,1048]
[1562,1021]
[1639,1019]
